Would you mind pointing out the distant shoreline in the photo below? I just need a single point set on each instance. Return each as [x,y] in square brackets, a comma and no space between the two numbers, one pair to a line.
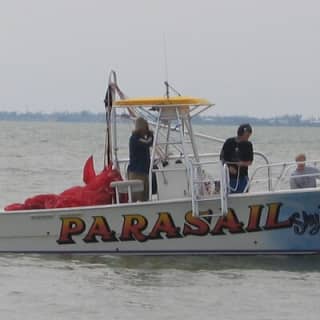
[89,117]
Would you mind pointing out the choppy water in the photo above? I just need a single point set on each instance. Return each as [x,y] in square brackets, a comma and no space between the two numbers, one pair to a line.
[48,157]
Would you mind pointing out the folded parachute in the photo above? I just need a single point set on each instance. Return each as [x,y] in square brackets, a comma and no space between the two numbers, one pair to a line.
[96,191]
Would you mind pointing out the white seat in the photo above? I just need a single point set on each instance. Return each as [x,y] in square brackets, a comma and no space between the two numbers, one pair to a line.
[127,186]
[172,183]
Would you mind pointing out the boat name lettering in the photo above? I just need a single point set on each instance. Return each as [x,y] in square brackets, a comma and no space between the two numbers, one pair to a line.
[134,226]
[304,221]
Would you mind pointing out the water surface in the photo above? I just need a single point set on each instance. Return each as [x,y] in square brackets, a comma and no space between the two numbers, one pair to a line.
[48,158]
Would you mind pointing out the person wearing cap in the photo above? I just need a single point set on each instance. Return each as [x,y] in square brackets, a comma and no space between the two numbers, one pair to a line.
[237,153]
[139,157]
[304,176]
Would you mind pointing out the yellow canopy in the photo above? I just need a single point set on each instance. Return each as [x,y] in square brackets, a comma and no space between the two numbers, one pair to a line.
[163,101]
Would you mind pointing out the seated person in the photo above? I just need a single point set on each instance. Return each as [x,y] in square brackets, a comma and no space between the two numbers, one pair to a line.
[304,176]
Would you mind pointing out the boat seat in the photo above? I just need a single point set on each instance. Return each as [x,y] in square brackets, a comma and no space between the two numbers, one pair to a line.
[127,186]
[172,181]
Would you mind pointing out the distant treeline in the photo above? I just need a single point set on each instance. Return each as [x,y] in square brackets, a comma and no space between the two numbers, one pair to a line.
[83,116]
[86,116]
[285,120]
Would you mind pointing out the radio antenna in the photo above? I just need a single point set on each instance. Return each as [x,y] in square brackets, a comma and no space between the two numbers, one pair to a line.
[166,75]
[166,82]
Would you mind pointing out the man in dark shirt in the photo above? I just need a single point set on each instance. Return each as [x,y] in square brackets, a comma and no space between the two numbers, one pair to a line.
[139,157]
[237,152]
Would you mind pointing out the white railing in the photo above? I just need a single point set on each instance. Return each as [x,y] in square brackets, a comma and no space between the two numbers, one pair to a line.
[206,174]
[224,188]
[205,186]
[279,175]
[202,184]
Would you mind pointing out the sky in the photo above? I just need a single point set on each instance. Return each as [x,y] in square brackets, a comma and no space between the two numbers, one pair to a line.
[250,57]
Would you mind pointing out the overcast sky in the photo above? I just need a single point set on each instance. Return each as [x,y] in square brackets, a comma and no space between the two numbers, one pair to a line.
[250,57]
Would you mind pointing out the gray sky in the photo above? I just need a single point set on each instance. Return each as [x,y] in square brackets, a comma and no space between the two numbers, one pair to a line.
[251,57]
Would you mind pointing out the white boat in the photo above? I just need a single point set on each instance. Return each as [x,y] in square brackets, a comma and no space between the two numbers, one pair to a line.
[192,211]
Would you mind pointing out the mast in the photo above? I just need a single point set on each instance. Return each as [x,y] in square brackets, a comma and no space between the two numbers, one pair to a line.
[108,100]
[111,146]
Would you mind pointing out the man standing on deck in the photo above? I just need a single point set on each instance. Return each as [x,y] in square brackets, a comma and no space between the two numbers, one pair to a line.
[237,153]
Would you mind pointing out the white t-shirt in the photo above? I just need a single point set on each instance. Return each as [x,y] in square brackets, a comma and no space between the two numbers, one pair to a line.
[300,179]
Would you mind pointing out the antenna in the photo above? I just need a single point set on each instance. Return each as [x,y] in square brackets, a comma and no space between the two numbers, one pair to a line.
[166,82]
[166,75]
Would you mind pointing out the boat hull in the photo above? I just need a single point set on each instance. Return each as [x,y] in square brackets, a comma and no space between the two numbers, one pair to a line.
[271,223]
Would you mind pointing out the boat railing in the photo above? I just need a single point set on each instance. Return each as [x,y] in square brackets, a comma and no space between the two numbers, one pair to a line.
[202,179]
[207,186]
[280,175]
[123,163]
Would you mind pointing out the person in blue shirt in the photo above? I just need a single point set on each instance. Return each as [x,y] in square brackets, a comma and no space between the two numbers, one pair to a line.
[139,157]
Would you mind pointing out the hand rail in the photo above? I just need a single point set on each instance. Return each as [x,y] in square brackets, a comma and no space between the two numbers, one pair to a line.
[286,166]
[224,186]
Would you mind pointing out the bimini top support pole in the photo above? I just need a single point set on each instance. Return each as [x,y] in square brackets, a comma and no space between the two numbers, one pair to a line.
[110,152]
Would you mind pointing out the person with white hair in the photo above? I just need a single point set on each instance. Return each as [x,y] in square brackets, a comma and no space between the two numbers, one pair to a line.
[139,157]
[304,176]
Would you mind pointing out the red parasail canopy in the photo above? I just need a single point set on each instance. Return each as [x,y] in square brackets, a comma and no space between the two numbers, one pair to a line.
[96,191]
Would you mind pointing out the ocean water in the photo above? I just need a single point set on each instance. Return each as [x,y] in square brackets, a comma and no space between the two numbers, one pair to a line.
[49,157]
